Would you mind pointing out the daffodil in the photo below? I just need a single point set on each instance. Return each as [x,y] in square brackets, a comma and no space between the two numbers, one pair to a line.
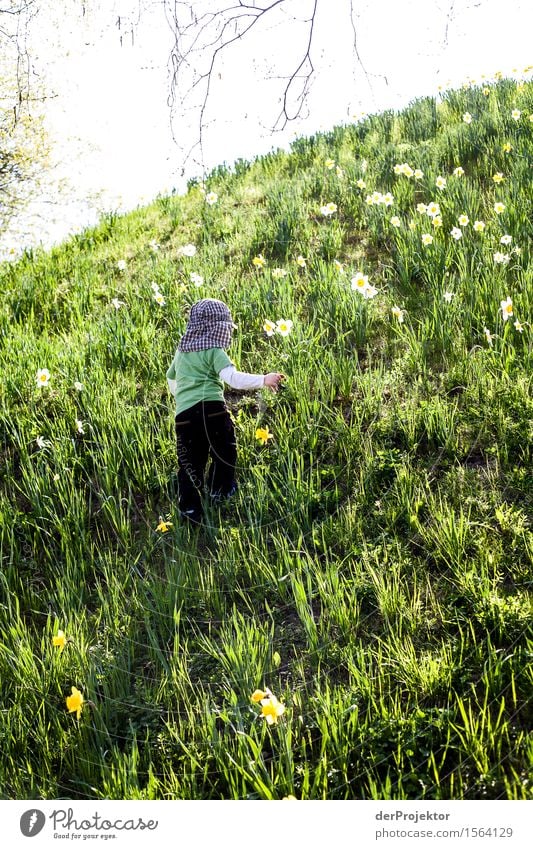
[397,313]
[300,260]
[159,298]
[42,442]
[369,200]
[498,177]
[486,91]
[328,209]
[211,198]
[516,114]
[407,171]
[459,171]
[518,326]
[360,281]
[433,209]
[387,199]
[398,169]
[116,303]
[506,308]
[330,164]
[59,641]
[154,246]
[395,221]
[78,386]
[257,695]
[507,147]
[263,435]
[187,250]
[440,182]
[488,335]
[269,327]
[501,258]
[79,426]
[418,174]
[456,233]
[154,286]
[506,239]
[369,292]
[463,220]
[361,184]
[467,118]
[427,238]
[338,265]
[499,207]
[448,297]
[436,221]
[278,273]
[421,208]
[121,265]
[377,197]
[284,326]
[259,261]
[271,709]
[75,702]
[479,226]
[163,526]
[197,279]
[43,377]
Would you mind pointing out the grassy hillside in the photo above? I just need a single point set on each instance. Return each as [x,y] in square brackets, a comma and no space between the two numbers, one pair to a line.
[374,570]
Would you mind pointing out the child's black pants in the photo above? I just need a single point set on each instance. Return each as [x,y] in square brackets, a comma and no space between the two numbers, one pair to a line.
[205,431]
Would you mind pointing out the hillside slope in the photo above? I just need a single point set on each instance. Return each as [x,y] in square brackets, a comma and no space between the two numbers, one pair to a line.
[374,569]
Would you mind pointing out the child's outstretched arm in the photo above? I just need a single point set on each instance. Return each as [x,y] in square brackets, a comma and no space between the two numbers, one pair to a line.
[244,380]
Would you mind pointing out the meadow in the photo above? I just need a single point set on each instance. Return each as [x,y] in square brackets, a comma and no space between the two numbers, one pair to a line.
[370,584]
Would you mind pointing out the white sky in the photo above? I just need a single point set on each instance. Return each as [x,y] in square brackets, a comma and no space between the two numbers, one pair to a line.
[110,119]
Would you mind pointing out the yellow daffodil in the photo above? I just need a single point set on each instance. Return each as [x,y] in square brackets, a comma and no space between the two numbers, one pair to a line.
[486,91]
[271,709]
[498,177]
[263,434]
[506,308]
[507,147]
[427,238]
[163,526]
[269,327]
[43,377]
[330,164]
[257,695]
[479,226]
[499,207]
[75,702]
[59,640]
[259,261]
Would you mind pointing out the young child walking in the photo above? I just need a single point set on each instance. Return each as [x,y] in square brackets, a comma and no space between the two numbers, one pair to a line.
[204,428]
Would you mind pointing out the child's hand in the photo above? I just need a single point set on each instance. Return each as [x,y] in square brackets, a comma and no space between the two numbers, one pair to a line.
[273,379]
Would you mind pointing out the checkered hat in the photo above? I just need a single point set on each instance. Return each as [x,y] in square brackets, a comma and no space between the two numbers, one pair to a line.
[210,326]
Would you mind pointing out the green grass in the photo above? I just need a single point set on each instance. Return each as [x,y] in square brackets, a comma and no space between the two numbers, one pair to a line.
[374,569]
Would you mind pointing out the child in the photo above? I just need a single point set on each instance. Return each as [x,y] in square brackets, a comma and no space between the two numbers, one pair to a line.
[203,424]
